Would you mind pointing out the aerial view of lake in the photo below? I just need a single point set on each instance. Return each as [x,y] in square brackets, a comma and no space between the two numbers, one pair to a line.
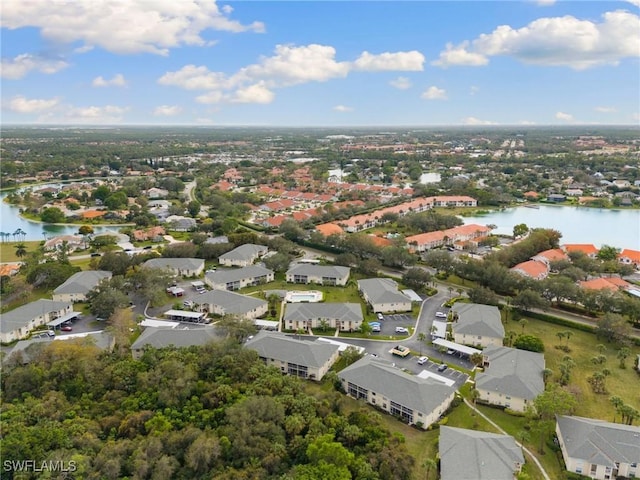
[10,221]
[618,228]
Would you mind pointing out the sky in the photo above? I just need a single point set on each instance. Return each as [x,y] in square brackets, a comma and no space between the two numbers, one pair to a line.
[320,63]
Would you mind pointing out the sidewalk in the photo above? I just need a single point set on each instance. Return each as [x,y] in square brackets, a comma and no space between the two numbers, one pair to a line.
[526,450]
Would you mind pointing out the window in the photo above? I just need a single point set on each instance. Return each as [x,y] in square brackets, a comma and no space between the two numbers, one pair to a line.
[594,468]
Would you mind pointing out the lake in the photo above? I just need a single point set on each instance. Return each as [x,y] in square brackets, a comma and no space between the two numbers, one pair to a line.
[10,221]
[618,228]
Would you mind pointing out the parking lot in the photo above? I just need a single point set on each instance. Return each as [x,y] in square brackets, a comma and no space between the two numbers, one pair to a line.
[452,374]
[390,322]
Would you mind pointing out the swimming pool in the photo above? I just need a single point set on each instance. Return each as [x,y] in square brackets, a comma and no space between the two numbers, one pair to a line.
[310,296]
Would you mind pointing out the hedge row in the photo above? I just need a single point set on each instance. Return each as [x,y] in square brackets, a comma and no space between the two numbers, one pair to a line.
[558,321]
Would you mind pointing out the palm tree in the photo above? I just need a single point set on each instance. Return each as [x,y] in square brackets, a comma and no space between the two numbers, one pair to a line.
[617,402]
[523,323]
[21,250]
[421,338]
[567,335]
[429,465]
[21,233]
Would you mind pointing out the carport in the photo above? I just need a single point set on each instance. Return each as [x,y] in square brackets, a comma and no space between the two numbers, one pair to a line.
[463,349]
[185,316]
[60,320]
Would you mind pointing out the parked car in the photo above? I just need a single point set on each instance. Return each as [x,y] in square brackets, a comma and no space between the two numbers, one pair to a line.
[375,328]
[66,328]
[400,350]
[443,367]
[380,317]
[423,360]
[187,303]
[402,330]
[451,351]
[441,315]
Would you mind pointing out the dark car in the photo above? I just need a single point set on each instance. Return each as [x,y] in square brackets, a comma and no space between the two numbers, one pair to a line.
[443,367]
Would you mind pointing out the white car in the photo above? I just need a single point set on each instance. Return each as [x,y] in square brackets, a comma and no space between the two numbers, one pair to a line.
[441,315]
[423,360]
[402,330]
[375,328]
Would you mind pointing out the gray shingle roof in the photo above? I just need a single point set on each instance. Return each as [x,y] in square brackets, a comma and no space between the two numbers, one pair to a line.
[514,372]
[311,353]
[160,337]
[310,311]
[102,340]
[175,263]
[244,253]
[226,275]
[382,290]
[82,282]
[380,376]
[599,442]
[319,271]
[21,316]
[231,303]
[475,455]
[478,319]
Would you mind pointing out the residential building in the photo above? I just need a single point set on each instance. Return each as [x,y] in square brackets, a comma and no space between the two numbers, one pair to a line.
[630,257]
[237,278]
[383,295]
[186,267]
[71,241]
[223,302]
[320,274]
[532,269]
[19,322]
[512,378]
[180,223]
[477,455]
[327,229]
[416,400]
[610,283]
[243,256]
[588,249]
[476,324]
[346,317]
[172,337]
[76,287]
[24,350]
[548,256]
[300,357]
[599,449]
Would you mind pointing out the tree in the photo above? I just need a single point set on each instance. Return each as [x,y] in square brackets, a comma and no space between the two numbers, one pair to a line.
[530,343]
[239,329]
[598,382]
[622,355]
[21,250]
[121,324]
[607,253]
[617,402]
[416,278]
[193,207]
[520,230]
[523,323]
[85,230]
[52,215]
[553,401]
[278,262]
[477,359]
[529,299]
[104,300]
[429,465]
[613,328]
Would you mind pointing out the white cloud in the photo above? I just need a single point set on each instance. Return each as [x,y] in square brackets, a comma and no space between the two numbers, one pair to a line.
[526,122]
[21,104]
[401,83]
[565,117]
[19,66]
[342,108]
[91,115]
[476,121]
[289,65]
[123,27]
[635,116]
[257,93]
[399,61]
[554,41]
[117,81]
[295,65]
[634,2]
[545,3]
[473,90]
[605,109]
[434,93]
[167,110]
[460,56]
[191,77]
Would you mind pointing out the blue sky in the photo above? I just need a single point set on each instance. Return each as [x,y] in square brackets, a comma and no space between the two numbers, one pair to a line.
[320,63]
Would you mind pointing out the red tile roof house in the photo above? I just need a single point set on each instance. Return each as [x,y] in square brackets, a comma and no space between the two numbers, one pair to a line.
[610,283]
[548,256]
[630,257]
[532,269]
[587,248]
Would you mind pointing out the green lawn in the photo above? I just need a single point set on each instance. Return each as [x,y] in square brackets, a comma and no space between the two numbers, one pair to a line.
[621,382]
[8,250]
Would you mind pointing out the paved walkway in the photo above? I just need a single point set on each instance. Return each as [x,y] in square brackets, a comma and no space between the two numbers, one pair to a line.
[527,451]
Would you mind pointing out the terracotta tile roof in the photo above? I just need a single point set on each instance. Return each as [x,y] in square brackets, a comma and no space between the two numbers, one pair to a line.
[380,241]
[633,255]
[552,255]
[9,269]
[586,248]
[531,268]
[613,283]
[327,229]
[93,213]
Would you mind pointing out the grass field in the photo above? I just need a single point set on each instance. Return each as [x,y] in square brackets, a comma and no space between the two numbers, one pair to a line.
[622,382]
[8,250]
